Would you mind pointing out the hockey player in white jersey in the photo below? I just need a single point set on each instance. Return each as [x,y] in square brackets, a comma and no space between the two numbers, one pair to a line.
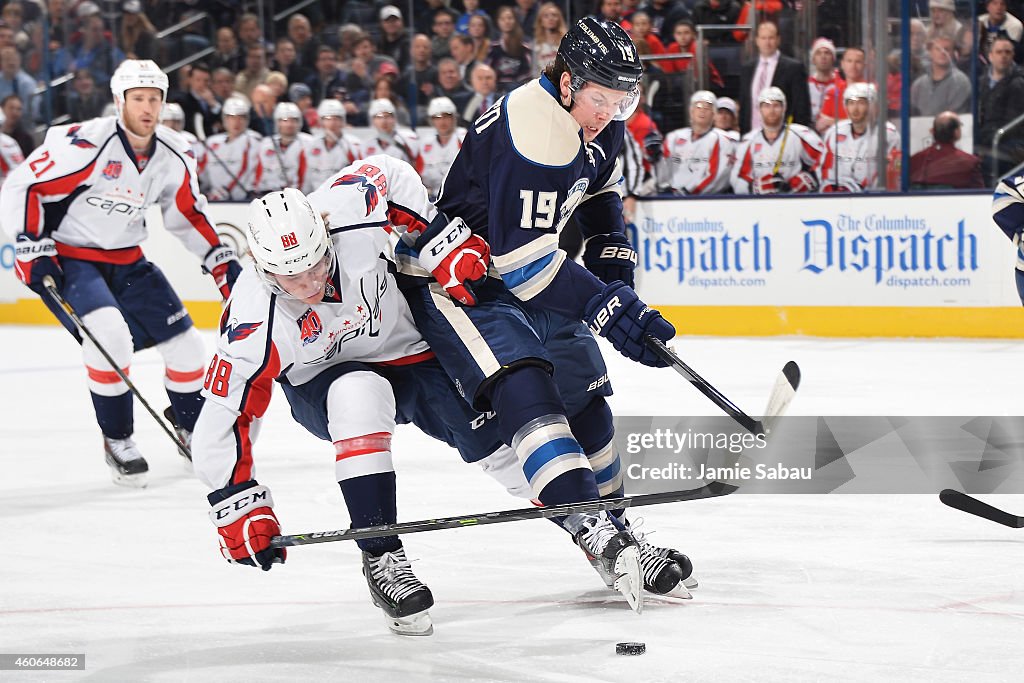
[232,156]
[330,148]
[282,157]
[10,152]
[698,159]
[173,116]
[441,146]
[388,138]
[76,210]
[850,161]
[781,156]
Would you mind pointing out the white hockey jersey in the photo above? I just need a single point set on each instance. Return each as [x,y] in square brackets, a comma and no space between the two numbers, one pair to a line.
[850,161]
[438,158]
[697,166]
[85,184]
[10,155]
[403,145]
[756,157]
[230,169]
[266,337]
[324,160]
[279,165]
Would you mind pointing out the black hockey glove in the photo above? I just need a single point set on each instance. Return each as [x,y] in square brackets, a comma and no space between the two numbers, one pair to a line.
[610,257]
[618,315]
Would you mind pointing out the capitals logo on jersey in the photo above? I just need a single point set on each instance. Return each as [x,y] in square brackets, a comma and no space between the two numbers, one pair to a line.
[77,141]
[112,171]
[365,186]
[310,327]
[237,331]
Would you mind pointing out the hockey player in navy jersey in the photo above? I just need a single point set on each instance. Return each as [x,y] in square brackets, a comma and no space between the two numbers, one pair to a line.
[1008,214]
[75,209]
[516,345]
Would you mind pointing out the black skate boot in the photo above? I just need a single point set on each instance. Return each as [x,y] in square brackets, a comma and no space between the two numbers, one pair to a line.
[612,552]
[396,590]
[183,434]
[127,466]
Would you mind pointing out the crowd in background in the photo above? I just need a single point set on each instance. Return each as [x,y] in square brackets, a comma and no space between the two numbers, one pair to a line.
[380,68]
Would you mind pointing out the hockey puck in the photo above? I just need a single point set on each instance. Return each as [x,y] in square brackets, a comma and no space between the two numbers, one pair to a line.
[630,648]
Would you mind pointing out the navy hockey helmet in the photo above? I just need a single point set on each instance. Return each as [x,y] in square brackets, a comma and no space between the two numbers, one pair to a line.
[601,52]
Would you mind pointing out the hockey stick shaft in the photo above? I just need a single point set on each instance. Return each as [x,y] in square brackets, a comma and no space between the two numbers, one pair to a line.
[971,505]
[51,289]
[712,490]
[718,398]
[782,147]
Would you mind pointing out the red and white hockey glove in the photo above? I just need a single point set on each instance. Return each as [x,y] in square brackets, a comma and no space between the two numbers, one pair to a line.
[220,262]
[34,259]
[802,183]
[245,520]
[769,184]
[456,257]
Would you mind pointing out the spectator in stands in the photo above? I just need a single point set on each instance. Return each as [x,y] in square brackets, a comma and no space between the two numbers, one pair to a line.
[222,83]
[347,37]
[470,8]
[727,117]
[250,33]
[307,46]
[772,68]
[484,82]
[261,118]
[200,100]
[394,41]
[640,30]
[480,33]
[442,29]
[450,84]
[14,81]
[831,104]
[998,22]
[665,14]
[226,53]
[365,51]
[823,73]
[463,52]
[14,126]
[697,159]
[943,16]
[509,56]
[420,75]
[255,71]
[328,77]
[548,30]
[943,87]
[301,95]
[384,90]
[285,61]
[526,12]
[685,35]
[277,82]
[96,51]
[943,166]
[1000,97]
[85,101]
[138,35]
[717,13]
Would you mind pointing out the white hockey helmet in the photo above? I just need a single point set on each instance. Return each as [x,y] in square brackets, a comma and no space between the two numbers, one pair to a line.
[331,107]
[439,106]
[380,106]
[772,94]
[235,106]
[172,111]
[859,91]
[287,236]
[705,96]
[287,110]
[137,73]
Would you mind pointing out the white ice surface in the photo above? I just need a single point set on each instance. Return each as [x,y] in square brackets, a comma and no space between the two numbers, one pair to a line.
[881,588]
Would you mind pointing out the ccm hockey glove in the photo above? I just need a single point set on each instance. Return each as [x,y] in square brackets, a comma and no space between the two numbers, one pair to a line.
[244,517]
[618,315]
[456,257]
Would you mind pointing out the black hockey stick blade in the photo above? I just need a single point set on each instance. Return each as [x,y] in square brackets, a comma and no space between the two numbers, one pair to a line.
[973,506]
[712,490]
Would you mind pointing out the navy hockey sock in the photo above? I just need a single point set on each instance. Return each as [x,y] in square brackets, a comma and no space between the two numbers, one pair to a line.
[371,502]
[1019,277]
[531,418]
[594,429]
[186,407]
[114,415]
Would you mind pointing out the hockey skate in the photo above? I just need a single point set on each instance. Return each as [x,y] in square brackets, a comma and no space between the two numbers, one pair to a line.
[403,598]
[127,466]
[183,434]
[666,570]
[612,552]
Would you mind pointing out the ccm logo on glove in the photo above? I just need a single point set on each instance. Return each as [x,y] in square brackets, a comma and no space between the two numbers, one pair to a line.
[237,506]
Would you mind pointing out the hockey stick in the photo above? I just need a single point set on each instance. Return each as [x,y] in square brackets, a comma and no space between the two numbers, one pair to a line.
[280,161]
[782,393]
[782,147]
[51,288]
[201,135]
[712,490]
[973,506]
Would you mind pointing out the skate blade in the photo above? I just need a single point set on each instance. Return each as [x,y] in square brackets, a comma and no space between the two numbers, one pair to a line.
[132,481]
[690,582]
[629,580]
[418,624]
[680,592]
